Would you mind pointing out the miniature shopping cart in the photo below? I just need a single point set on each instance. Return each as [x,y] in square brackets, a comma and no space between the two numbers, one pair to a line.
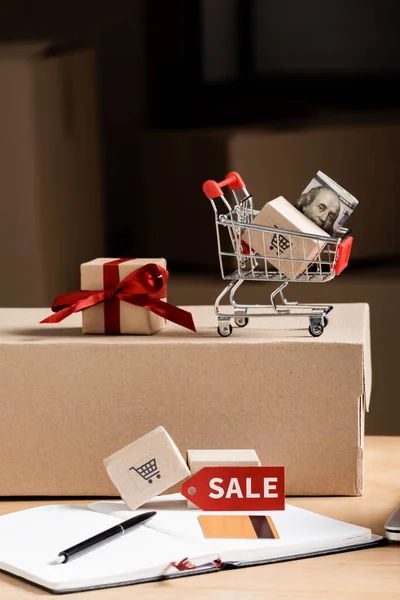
[148,470]
[278,262]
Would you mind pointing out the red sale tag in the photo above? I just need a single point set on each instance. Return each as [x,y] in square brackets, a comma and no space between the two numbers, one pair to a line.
[237,488]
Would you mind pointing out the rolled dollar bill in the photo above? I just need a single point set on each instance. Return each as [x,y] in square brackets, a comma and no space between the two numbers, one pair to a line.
[326,203]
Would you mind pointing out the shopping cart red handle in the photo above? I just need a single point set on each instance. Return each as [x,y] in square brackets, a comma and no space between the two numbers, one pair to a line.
[343,256]
[212,189]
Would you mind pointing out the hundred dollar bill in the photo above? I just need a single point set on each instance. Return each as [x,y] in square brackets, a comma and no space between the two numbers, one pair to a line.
[326,203]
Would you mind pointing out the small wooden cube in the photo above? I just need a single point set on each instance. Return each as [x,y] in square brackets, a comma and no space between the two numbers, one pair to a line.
[147,467]
[197,459]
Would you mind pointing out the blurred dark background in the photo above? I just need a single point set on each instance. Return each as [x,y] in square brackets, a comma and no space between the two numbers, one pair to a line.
[113,115]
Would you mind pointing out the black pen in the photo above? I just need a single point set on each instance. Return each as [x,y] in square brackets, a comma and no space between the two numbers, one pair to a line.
[102,538]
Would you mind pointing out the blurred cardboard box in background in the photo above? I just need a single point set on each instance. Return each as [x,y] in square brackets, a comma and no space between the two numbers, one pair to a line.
[173,165]
[51,213]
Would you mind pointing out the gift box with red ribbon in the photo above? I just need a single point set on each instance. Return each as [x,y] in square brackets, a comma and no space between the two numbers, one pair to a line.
[121,296]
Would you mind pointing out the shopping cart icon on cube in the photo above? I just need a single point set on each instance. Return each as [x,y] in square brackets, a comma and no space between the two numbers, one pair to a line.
[281,241]
[148,470]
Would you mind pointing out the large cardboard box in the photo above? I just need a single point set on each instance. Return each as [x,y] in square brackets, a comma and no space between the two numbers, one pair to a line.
[68,400]
[51,201]
[172,166]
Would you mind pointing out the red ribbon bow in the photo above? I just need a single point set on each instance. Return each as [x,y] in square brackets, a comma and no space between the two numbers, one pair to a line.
[143,287]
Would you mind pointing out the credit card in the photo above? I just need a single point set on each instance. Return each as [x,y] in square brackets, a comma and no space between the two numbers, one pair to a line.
[238,527]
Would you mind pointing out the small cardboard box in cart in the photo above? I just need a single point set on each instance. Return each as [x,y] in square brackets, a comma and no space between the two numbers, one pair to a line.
[290,254]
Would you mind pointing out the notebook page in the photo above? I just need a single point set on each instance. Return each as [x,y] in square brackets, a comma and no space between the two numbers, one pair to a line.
[30,541]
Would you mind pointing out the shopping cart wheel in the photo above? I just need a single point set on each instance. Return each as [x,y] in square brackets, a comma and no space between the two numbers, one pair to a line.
[325,321]
[241,321]
[316,329]
[224,330]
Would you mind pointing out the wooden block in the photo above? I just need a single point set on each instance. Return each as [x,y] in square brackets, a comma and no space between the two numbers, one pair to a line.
[147,467]
[197,459]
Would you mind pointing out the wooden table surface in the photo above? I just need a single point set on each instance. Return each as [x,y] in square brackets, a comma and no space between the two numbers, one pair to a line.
[366,574]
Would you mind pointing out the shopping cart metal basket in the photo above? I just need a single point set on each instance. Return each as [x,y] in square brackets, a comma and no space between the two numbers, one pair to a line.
[234,224]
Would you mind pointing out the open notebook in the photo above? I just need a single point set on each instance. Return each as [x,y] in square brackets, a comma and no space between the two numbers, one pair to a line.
[31,539]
